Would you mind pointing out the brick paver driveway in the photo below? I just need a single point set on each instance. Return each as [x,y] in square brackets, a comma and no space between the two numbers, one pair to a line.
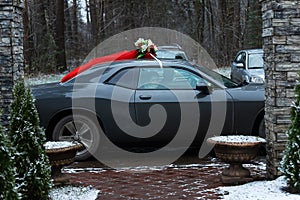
[195,179]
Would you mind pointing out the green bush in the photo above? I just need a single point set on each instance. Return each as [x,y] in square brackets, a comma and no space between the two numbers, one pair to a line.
[8,190]
[33,172]
[290,164]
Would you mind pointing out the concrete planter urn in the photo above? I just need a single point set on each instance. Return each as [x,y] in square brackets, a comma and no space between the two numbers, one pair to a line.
[61,154]
[236,150]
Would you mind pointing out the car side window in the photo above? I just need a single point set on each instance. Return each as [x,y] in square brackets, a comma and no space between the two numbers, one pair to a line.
[185,79]
[241,58]
[149,78]
[125,78]
[255,61]
[168,78]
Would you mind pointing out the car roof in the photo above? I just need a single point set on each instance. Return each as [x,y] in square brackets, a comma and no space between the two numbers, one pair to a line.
[170,47]
[111,68]
[120,64]
[152,62]
[253,51]
[171,52]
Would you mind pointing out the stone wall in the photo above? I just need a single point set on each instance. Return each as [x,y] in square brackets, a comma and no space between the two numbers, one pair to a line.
[281,37]
[11,51]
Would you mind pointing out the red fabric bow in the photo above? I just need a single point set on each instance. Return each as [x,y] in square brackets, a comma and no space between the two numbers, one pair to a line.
[123,55]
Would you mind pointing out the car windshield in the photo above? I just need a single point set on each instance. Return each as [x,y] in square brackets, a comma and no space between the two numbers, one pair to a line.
[256,61]
[170,54]
[218,77]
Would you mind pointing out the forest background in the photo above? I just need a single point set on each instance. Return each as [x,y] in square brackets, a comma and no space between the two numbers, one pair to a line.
[58,34]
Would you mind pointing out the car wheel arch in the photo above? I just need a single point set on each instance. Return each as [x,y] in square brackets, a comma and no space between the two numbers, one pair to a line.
[257,124]
[63,113]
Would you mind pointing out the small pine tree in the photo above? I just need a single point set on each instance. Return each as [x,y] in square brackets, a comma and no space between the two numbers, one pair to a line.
[290,164]
[33,168]
[8,189]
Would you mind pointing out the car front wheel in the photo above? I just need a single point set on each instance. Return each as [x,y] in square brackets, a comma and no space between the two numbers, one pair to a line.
[78,128]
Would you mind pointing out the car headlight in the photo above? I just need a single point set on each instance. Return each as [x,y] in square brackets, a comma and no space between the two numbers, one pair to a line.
[257,79]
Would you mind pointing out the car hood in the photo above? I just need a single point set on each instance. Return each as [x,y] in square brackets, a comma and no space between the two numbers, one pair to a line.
[48,89]
[58,90]
[253,87]
[45,86]
[251,92]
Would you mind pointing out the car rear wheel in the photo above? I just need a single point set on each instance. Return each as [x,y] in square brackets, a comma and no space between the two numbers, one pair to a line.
[261,129]
[262,133]
[78,128]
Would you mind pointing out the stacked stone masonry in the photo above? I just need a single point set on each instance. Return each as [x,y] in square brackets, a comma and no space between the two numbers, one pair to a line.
[11,51]
[281,37]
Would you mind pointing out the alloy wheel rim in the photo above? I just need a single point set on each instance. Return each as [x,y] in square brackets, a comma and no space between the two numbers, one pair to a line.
[77,131]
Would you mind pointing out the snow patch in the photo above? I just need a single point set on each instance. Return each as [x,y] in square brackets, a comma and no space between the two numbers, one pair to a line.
[73,193]
[259,190]
[238,139]
[58,144]
[43,79]
[225,71]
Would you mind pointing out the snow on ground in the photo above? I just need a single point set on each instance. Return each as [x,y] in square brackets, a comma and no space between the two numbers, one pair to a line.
[237,139]
[42,79]
[58,144]
[73,193]
[225,71]
[259,190]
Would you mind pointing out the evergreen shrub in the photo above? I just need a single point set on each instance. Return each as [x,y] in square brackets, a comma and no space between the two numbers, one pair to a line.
[290,164]
[33,172]
[8,189]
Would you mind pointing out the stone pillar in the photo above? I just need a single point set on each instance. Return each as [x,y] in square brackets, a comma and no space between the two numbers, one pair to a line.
[281,39]
[11,51]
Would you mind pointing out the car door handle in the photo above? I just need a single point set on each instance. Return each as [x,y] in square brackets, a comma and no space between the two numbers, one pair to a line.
[145,97]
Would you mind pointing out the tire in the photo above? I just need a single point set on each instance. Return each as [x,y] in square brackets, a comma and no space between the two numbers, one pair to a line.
[262,133]
[261,129]
[78,128]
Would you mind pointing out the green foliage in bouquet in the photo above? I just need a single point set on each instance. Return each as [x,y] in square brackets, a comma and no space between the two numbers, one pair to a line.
[290,164]
[33,169]
[8,189]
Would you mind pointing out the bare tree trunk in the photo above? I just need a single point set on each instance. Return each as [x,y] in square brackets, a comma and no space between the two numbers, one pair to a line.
[87,9]
[42,38]
[199,10]
[75,33]
[60,36]
[102,19]
[94,21]
[237,25]
[28,43]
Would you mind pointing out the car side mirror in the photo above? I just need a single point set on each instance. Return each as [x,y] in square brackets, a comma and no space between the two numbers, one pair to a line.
[240,65]
[203,87]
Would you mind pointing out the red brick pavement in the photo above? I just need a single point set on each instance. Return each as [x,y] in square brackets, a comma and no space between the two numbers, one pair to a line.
[175,182]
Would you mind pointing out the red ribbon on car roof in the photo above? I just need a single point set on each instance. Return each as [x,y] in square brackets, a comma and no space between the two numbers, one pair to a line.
[123,55]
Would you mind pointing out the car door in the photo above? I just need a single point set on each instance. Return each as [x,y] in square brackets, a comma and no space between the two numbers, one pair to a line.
[170,103]
[238,68]
[116,106]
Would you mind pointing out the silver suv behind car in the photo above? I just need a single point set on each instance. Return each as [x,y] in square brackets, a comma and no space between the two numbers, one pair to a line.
[248,66]
[171,52]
